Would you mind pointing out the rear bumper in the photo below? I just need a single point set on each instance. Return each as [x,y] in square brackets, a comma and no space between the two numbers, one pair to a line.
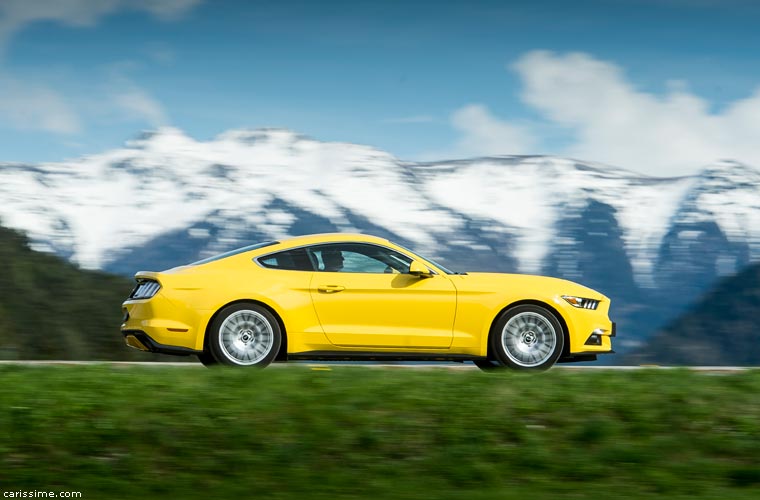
[166,323]
[140,340]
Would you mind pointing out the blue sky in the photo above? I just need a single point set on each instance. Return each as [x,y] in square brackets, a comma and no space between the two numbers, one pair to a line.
[662,87]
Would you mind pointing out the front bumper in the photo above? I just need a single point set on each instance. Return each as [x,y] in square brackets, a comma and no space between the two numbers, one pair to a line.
[590,331]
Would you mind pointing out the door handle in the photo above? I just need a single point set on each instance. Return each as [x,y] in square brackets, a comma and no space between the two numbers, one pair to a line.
[331,288]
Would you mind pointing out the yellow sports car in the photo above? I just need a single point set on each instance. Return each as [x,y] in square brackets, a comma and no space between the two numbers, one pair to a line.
[358,297]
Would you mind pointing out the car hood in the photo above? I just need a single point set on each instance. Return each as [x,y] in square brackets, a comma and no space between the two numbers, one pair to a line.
[545,284]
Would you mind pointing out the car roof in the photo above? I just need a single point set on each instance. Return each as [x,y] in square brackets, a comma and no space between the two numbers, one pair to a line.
[312,239]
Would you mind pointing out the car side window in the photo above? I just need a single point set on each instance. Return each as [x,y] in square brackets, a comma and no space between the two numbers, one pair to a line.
[292,260]
[359,258]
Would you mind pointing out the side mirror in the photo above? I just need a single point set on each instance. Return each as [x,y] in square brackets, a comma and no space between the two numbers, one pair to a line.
[417,268]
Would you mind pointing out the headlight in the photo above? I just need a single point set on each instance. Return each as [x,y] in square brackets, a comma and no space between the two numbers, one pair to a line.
[581,302]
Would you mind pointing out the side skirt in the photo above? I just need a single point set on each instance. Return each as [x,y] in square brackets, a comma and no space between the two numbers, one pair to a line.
[379,356]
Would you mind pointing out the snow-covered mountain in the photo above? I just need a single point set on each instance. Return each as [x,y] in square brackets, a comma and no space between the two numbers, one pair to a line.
[167,199]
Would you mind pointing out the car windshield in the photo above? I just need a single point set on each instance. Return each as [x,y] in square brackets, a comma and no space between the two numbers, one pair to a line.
[234,252]
[436,264]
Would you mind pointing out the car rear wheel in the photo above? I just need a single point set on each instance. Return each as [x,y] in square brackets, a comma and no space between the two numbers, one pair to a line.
[244,334]
[527,337]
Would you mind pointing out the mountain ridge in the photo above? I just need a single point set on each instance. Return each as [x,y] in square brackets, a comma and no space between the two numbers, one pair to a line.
[720,329]
[166,199]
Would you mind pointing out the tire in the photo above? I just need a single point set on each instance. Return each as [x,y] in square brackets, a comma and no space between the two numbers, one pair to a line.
[244,334]
[207,359]
[487,365]
[527,337]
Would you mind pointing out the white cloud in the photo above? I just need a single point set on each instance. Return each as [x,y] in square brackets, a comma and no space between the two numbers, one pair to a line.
[411,119]
[15,14]
[485,134]
[125,100]
[136,104]
[35,107]
[613,122]
[168,10]
[161,53]
[32,106]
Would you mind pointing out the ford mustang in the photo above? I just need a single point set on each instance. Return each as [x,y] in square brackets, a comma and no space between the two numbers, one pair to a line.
[359,297]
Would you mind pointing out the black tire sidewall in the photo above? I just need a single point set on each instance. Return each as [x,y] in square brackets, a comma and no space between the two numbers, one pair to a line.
[207,358]
[213,338]
[498,326]
[487,365]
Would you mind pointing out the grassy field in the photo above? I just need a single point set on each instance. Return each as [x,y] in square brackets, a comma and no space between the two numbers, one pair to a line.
[352,432]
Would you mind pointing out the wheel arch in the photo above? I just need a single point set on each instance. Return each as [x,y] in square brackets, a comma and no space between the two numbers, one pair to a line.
[532,302]
[282,354]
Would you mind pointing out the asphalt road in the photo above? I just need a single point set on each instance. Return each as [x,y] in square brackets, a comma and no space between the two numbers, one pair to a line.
[405,366]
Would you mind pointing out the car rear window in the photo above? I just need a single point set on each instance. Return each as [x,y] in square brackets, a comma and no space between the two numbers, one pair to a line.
[234,252]
[292,260]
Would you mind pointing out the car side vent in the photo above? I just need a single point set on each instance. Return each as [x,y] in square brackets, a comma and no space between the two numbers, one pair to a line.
[145,290]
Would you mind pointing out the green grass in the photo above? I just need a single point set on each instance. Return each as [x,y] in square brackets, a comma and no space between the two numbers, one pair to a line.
[353,432]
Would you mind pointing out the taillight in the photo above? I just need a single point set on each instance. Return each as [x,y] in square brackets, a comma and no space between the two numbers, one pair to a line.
[145,289]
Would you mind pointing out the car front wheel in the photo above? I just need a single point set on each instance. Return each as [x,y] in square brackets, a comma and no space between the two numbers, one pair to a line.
[244,334]
[487,365]
[207,359]
[527,337]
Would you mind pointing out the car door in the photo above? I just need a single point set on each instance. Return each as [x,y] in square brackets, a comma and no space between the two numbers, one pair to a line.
[290,274]
[365,297]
